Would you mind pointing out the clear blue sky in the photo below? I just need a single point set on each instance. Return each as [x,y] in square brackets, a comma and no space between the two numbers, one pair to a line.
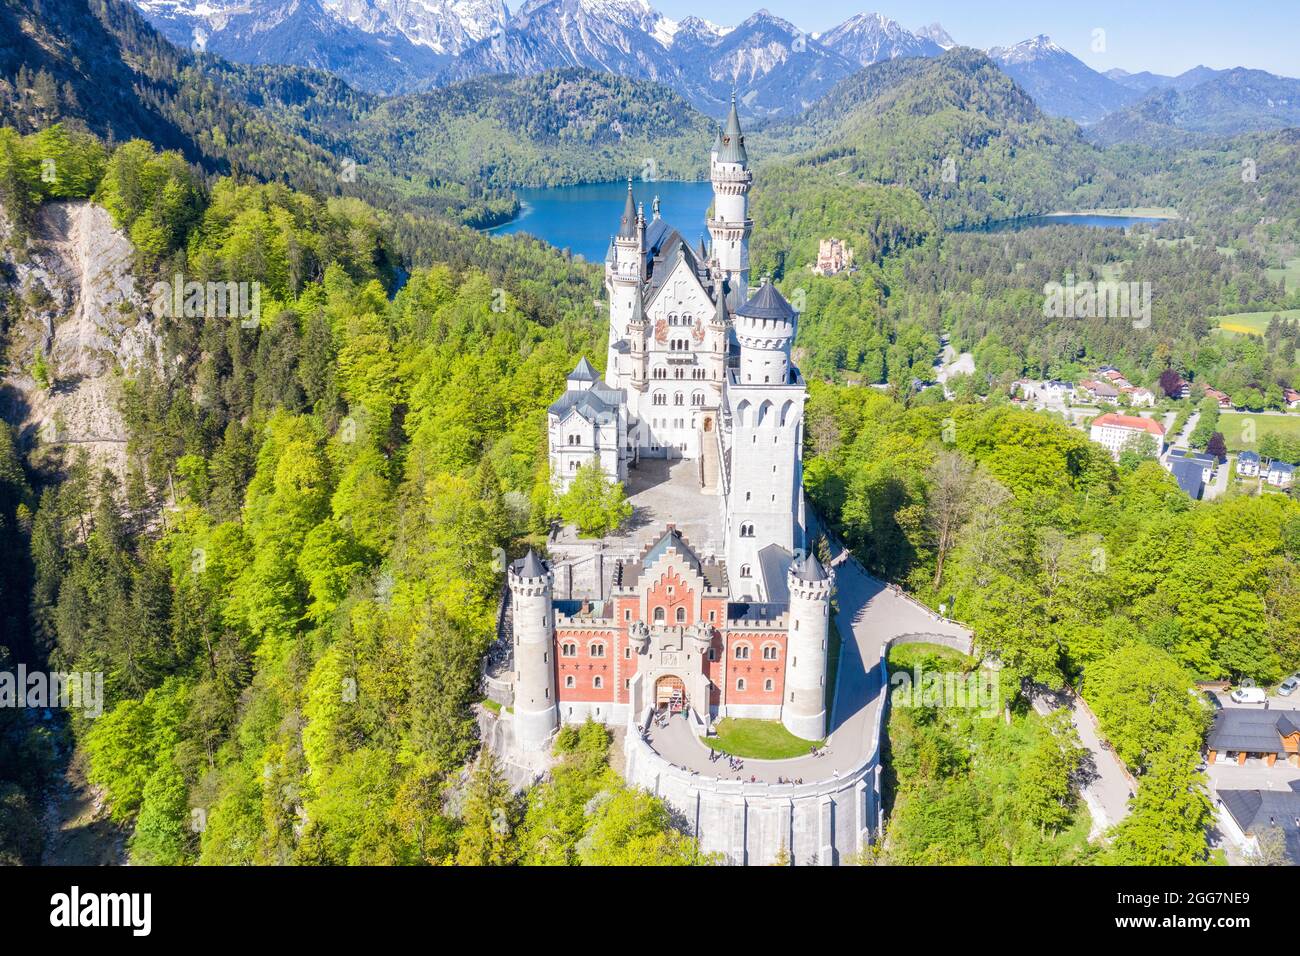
[1165,36]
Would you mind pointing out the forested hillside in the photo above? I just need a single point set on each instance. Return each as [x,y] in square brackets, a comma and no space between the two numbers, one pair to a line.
[290,593]
[1068,568]
[954,129]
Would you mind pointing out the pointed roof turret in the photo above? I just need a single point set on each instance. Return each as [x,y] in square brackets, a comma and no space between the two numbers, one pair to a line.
[704,252]
[720,294]
[717,140]
[638,312]
[583,372]
[811,569]
[767,303]
[531,566]
[733,140]
[627,222]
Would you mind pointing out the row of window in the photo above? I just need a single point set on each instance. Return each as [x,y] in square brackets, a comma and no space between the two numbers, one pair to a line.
[679,372]
[598,683]
[770,652]
[679,398]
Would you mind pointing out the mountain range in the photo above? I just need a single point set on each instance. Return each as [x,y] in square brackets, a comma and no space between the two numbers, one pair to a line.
[778,70]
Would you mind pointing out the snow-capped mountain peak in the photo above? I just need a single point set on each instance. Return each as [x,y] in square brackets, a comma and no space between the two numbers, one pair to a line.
[868,38]
[1026,51]
[937,34]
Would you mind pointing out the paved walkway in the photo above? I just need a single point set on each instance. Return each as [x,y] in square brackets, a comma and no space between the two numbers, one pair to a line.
[1107,784]
[869,614]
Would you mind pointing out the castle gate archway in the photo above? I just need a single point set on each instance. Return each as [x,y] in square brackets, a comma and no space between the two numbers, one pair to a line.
[670,693]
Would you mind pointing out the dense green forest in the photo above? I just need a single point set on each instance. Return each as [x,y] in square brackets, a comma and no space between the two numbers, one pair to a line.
[290,593]
[290,590]
[1069,569]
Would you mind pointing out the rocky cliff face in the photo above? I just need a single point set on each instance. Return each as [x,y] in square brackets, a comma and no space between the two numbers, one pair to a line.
[80,323]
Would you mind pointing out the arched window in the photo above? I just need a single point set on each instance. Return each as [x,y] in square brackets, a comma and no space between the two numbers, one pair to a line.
[744,571]
[659,398]
[769,652]
[568,650]
[681,615]
[742,413]
[598,682]
[679,399]
[767,684]
[659,615]
[570,680]
[742,652]
[740,683]
[785,411]
[697,398]
[596,649]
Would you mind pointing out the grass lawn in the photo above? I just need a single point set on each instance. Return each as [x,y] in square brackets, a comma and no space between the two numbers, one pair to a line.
[1251,323]
[491,705]
[759,739]
[1231,425]
[1290,272]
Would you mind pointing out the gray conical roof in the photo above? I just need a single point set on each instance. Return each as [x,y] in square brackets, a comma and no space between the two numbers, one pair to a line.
[767,303]
[733,140]
[638,313]
[583,372]
[717,140]
[531,566]
[627,223]
[811,570]
[720,315]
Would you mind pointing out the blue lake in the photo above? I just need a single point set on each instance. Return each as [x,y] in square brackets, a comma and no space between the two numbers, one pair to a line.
[1091,220]
[582,218]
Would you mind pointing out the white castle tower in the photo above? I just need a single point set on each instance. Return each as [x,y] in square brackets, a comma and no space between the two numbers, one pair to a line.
[765,395]
[624,274]
[730,226]
[535,713]
[804,709]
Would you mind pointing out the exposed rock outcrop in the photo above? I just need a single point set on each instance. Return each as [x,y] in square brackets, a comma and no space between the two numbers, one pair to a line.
[82,316]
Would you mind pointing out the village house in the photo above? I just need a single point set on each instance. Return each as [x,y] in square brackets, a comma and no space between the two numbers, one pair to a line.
[1244,733]
[1248,464]
[1280,474]
[1099,391]
[1192,470]
[1220,397]
[1116,432]
[1138,397]
[1292,397]
[1246,814]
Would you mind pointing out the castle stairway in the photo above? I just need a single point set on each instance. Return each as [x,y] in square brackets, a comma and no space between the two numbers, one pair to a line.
[709,463]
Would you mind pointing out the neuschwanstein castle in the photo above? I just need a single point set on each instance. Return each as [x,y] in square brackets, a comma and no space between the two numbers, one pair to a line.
[698,370]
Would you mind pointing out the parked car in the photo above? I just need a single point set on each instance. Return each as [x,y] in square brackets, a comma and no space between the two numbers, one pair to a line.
[1248,695]
[1213,700]
[1288,686]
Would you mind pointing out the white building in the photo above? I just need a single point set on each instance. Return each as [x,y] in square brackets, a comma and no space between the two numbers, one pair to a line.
[1116,432]
[1280,474]
[587,423]
[699,369]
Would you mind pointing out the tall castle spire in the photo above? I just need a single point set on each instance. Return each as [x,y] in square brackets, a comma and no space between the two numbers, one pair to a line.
[731,226]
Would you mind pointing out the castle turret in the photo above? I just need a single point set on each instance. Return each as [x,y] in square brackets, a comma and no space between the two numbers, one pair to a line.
[624,274]
[730,226]
[765,327]
[765,396]
[535,713]
[803,711]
